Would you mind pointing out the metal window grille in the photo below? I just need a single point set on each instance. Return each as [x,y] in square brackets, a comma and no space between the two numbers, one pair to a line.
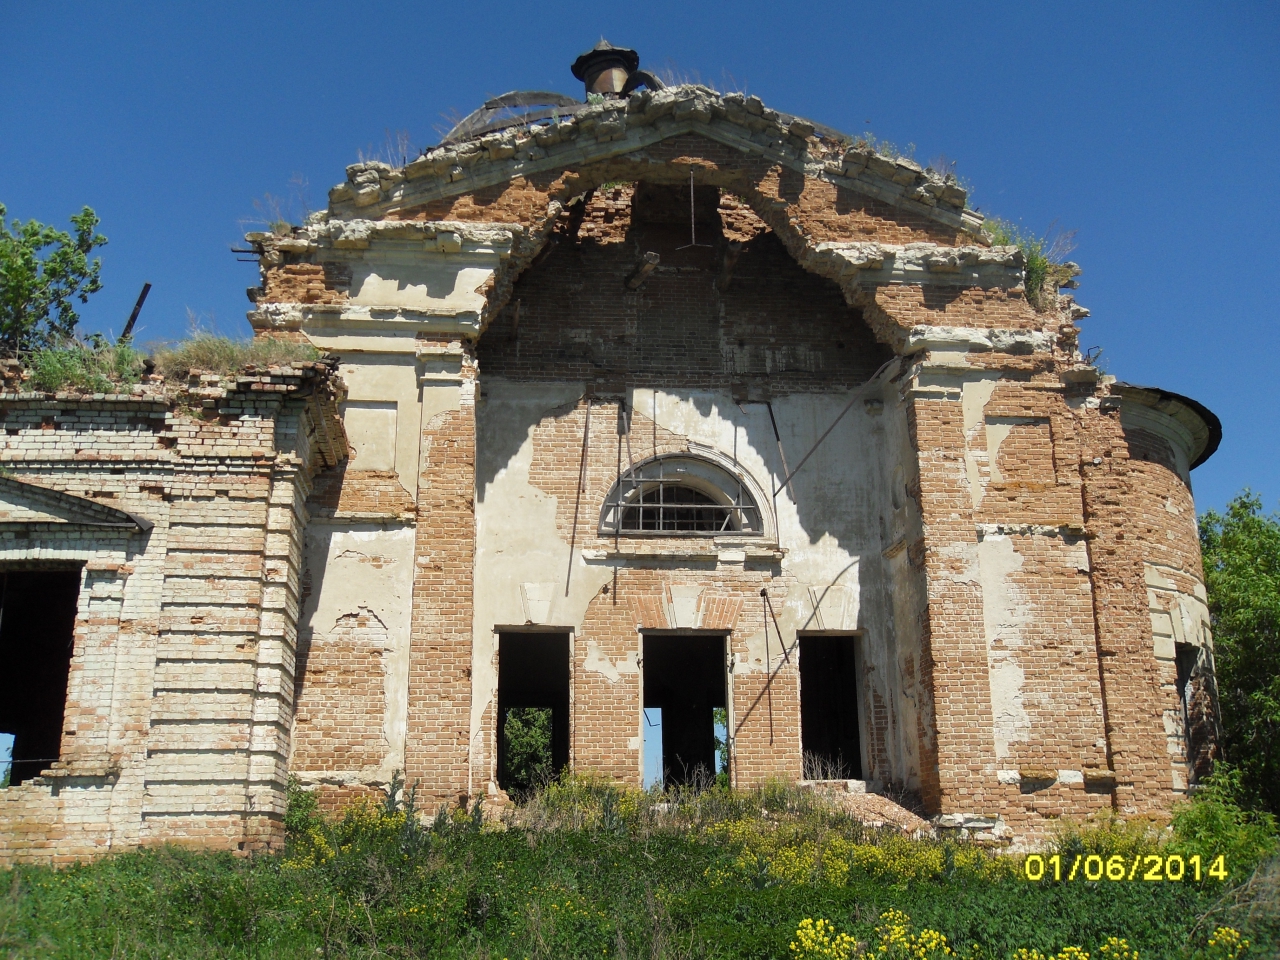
[671,507]
[658,498]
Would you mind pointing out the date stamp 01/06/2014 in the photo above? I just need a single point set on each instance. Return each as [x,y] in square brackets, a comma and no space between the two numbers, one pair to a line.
[1150,867]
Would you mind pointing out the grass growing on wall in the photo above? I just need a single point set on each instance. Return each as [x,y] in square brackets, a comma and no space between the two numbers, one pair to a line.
[102,367]
[589,870]
[90,369]
[1045,257]
[226,356]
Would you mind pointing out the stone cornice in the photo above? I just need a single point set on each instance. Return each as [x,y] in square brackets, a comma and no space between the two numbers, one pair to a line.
[615,128]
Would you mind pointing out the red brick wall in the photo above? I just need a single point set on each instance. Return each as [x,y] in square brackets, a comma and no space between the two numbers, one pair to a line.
[577,320]
[338,717]
[439,721]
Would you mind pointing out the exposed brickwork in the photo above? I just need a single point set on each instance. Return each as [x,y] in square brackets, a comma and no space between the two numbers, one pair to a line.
[359,494]
[437,745]
[1021,570]
[338,720]
[960,307]
[304,283]
[180,690]
[578,319]
[520,200]
[1140,513]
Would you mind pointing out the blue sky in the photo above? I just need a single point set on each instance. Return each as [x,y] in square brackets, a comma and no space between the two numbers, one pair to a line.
[1153,130]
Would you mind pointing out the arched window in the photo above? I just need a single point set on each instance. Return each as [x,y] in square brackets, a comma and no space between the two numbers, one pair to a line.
[681,495]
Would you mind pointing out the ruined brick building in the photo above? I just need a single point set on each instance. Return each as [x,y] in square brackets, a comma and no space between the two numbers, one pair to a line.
[663,399]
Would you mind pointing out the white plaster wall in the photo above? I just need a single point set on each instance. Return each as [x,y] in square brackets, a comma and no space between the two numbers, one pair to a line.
[438,283]
[831,524]
[354,568]
[381,414]
[1005,613]
[522,563]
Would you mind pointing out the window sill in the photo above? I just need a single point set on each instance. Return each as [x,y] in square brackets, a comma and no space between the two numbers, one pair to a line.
[724,550]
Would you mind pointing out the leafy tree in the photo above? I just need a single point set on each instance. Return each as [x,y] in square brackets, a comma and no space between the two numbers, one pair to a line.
[529,759]
[42,270]
[1242,573]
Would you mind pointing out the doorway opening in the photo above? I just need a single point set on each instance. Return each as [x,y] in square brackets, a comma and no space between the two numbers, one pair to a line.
[684,689]
[533,710]
[1196,702]
[829,733]
[37,634]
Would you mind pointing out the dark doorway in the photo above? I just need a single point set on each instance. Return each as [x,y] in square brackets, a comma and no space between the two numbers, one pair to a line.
[533,709]
[829,709]
[37,633]
[684,678]
[1196,698]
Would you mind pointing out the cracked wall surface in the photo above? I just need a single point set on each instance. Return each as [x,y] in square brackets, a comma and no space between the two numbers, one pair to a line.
[947,520]
[519,319]
[187,531]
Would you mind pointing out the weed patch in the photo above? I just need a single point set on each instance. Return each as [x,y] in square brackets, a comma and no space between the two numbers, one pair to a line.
[1046,267]
[587,869]
[225,356]
[101,369]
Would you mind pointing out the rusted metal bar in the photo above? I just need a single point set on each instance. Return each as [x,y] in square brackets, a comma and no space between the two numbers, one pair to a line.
[839,416]
[137,308]
[582,485]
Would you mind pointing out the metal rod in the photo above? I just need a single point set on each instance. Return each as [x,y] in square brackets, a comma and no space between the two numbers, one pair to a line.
[847,407]
[693,228]
[778,440]
[769,604]
[768,664]
[577,502]
[137,308]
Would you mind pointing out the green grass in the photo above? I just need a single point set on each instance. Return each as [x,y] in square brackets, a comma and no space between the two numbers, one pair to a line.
[223,355]
[1045,271]
[587,870]
[102,367]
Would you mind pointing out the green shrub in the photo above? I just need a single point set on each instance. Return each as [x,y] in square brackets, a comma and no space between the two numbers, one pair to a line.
[1213,826]
[97,368]
[1045,269]
[527,731]
[1108,835]
[1241,549]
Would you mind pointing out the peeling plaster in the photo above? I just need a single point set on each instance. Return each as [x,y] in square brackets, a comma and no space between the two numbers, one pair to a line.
[830,524]
[597,662]
[1005,612]
[522,561]
[366,568]
[973,399]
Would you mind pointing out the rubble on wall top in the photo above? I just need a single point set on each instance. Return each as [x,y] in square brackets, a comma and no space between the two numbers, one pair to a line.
[297,377]
[742,120]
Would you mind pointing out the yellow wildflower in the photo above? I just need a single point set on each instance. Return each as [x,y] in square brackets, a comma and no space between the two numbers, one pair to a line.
[817,940]
[1117,948]
[1226,943]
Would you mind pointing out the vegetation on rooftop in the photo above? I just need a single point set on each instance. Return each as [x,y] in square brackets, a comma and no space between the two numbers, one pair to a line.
[210,353]
[585,869]
[1046,258]
[97,367]
[100,366]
